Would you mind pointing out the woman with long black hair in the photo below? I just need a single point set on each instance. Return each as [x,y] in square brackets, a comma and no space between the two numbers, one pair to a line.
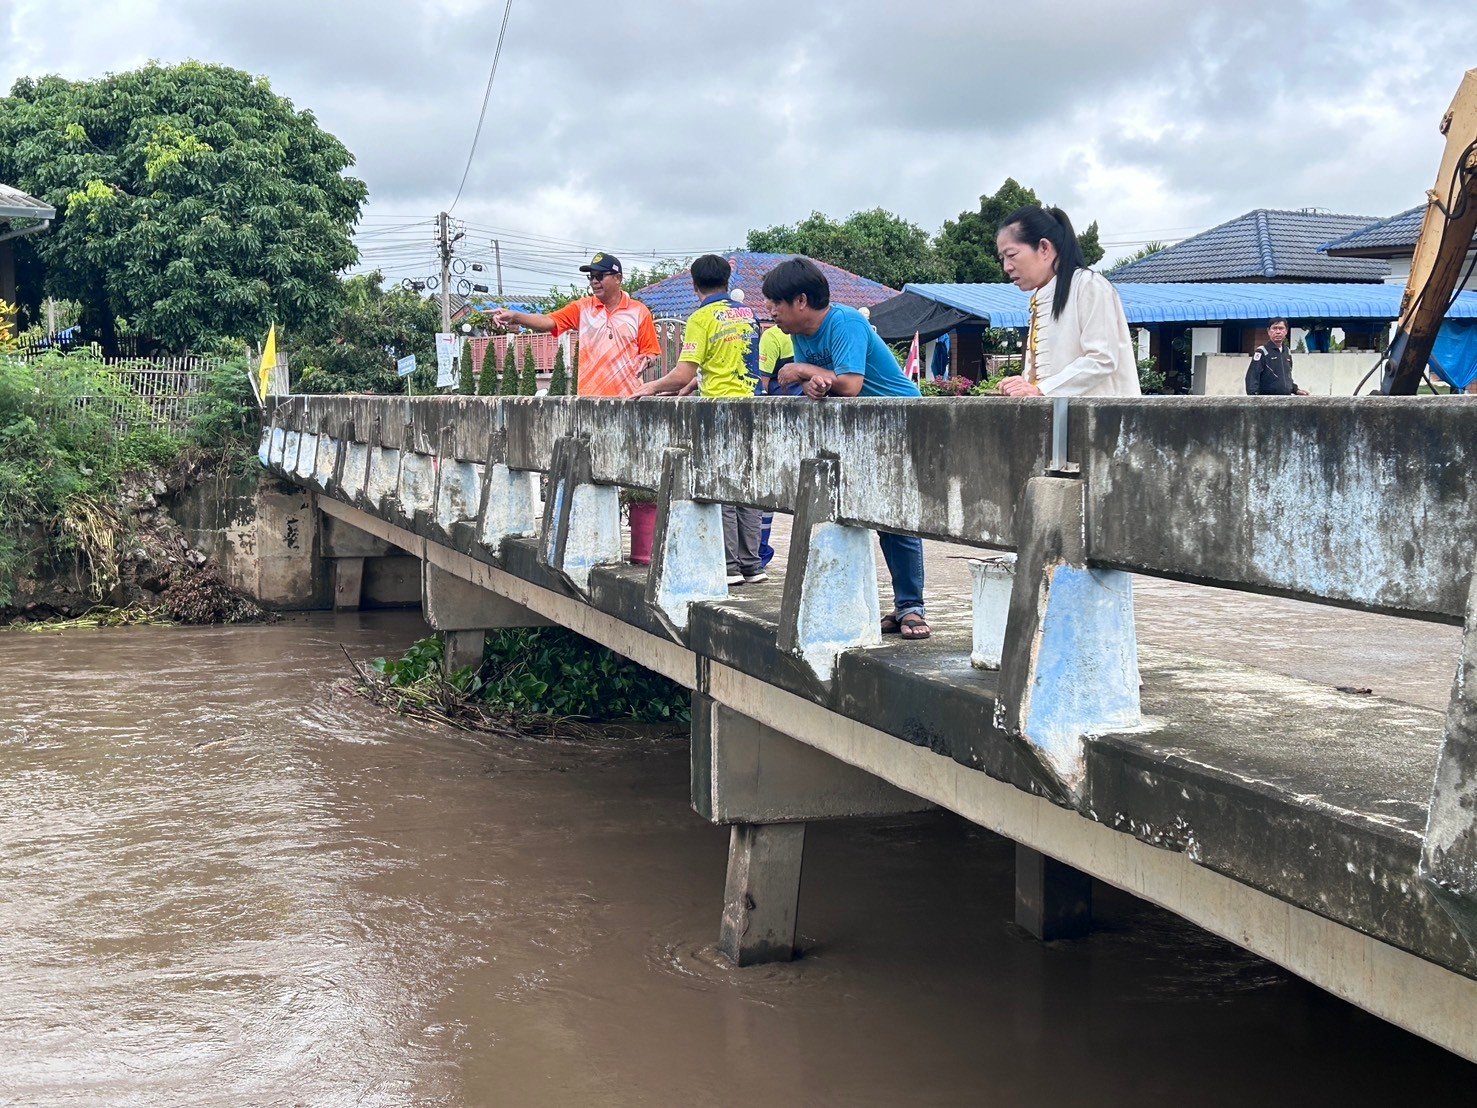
[1078,342]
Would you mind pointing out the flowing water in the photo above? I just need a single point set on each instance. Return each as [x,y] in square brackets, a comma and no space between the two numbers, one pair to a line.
[224,881]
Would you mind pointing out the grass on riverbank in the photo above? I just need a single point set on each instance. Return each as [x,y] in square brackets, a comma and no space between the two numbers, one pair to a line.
[533,682]
[71,433]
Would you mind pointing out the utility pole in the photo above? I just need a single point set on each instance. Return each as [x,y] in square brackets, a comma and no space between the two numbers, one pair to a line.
[497,254]
[443,243]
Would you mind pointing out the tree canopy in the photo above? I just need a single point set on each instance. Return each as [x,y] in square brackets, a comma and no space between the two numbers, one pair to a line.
[353,347]
[875,244]
[1138,255]
[887,248]
[967,244]
[193,203]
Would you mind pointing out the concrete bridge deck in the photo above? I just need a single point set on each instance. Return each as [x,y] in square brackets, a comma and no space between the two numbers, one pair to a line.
[1275,811]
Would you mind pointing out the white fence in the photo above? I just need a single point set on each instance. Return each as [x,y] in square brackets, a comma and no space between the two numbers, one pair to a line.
[170,389]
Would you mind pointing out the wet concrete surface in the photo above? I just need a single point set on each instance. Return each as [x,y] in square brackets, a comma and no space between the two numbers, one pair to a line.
[224,881]
[1408,660]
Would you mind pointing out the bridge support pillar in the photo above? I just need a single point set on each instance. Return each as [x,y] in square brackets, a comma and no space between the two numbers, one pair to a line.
[1052,900]
[463,649]
[762,893]
[347,548]
[348,583]
[464,613]
[767,785]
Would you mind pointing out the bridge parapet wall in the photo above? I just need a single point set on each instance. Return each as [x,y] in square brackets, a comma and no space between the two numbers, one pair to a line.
[1330,500]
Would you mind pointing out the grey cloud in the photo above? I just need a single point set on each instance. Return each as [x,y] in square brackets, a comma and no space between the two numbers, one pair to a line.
[670,126]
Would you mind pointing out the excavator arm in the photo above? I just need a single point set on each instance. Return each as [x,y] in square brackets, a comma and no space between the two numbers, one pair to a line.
[1446,236]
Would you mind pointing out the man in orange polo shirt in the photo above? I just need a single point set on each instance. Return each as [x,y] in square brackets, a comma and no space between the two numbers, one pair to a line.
[616,333]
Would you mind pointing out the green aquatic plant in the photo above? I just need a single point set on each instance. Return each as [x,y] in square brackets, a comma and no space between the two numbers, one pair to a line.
[543,671]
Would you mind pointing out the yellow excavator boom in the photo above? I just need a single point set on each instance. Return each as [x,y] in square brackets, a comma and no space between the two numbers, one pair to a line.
[1446,236]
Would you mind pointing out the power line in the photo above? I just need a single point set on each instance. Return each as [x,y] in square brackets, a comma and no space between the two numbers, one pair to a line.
[486,96]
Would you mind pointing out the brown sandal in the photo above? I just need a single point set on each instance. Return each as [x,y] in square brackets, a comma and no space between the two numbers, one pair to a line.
[890,624]
[913,626]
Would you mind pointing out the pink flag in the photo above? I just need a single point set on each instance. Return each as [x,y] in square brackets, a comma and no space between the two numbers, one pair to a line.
[913,370]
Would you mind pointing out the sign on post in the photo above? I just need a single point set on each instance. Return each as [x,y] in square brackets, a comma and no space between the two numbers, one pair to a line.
[445,359]
[405,366]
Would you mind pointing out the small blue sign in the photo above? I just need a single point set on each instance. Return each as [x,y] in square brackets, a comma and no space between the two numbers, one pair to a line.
[406,365]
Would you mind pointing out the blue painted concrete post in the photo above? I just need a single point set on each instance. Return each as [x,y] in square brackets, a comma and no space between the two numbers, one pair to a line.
[687,559]
[1070,663]
[582,520]
[830,600]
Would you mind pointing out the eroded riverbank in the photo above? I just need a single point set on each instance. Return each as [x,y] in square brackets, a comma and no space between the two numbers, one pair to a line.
[228,883]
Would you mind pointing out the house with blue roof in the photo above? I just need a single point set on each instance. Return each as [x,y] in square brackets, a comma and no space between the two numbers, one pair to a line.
[1262,245]
[674,298]
[1201,334]
[1207,297]
[1392,241]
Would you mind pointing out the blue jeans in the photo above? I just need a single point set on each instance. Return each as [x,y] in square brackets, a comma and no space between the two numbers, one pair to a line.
[904,557]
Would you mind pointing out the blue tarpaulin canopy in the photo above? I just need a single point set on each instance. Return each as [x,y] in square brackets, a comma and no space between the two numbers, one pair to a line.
[1454,357]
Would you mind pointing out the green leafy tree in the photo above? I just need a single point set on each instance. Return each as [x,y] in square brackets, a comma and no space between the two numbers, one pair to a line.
[354,349]
[876,244]
[192,202]
[528,382]
[966,246]
[1137,256]
[559,379]
[510,373]
[467,382]
[641,276]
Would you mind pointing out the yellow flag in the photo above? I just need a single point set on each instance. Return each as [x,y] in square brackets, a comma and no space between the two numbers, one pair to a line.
[269,362]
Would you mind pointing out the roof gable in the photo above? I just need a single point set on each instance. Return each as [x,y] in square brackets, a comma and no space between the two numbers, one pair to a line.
[1263,245]
[1396,235]
[674,297]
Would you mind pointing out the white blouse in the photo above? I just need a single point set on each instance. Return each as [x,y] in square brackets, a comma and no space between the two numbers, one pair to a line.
[1086,351]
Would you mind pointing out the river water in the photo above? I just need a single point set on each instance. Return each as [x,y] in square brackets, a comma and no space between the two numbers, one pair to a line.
[224,881]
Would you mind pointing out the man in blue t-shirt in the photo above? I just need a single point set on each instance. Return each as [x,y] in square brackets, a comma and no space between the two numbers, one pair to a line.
[838,354]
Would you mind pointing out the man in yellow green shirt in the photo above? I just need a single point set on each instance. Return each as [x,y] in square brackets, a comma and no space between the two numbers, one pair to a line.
[720,355]
[776,350]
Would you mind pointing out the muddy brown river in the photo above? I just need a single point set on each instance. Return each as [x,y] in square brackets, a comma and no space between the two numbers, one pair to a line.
[223,881]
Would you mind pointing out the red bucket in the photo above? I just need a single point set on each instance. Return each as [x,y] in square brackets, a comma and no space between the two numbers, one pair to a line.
[643,523]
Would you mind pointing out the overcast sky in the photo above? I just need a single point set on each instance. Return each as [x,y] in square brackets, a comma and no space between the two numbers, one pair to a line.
[664,128]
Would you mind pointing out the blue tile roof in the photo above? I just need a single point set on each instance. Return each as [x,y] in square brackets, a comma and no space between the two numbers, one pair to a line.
[674,298]
[1004,305]
[1265,244]
[1395,235]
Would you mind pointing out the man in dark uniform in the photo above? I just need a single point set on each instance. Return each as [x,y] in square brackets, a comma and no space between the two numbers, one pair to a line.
[1270,372]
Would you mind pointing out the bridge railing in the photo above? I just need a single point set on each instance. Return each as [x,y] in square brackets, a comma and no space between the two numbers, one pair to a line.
[1365,503]
[1329,500]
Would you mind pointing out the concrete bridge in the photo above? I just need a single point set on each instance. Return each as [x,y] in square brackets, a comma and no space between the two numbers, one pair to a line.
[1333,835]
